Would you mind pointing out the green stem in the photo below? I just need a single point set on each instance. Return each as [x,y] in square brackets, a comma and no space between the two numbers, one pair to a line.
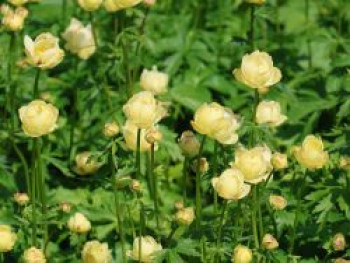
[198,185]
[261,226]
[11,87]
[307,18]
[94,29]
[215,171]
[252,27]
[297,213]
[131,220]
[36,83]
[118,211]
[33,193]
[2,257]
[155,189]
[128,73]
[184,180]
[138,154]
[64,12]
[254,223]
[141,229]
[221,224]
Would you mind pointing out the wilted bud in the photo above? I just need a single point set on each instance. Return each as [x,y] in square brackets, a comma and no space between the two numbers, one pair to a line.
[135,185]
[96,252]
[149,2]
[79,224]
[203,165]
[344,163]
[279,161]
[21,198]
[7,238]
[189,144]
[277,202]
[179,205]
[111,129]
[269,242]
[339,242]
[65,207]
[153,135]
[34,255]
[242,254]
[149,247]
[185,216]
[85,164]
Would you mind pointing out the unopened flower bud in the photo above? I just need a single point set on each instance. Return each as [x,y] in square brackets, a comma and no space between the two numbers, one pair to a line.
[149,247]
[153,135]
[96,252]
[135,185]
[34,255]
[344,163]
[21,198]
[339,242]
[279,161]
[242,254]
[122,182]
[189,144]
[79,224]
[256,2]
[179,205]
[185,216]
[65,207]
[269,242]
[203,165]
[111,129]
[277,202]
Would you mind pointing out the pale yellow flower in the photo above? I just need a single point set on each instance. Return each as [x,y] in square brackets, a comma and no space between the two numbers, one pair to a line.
[13,20]
[21,198]
[79,224]
[230,185]
[144,110]
[269,242]
[149,247]
[149,3]
[7,238]
[189,144]
[257,2]
[311,154]
[257,71]
[96,252]
[154,81]
[277,202]
[44,52]
[279,161]
[17,2]
[90,5]
[269,112]
[34,255]
[255,164]
[80,39]
[217,122]
[116,5]
[38,118]
[153,135]
[111,129]
[242,254]
[344,163]
[339,242]
[185,216]
[85,164]
[130,136]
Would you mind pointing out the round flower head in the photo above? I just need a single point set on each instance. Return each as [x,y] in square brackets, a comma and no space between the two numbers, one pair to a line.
[144,110]
[79,224]
[269,242]
[111,129]
[116,5]
[21,198]
[257,71]
[154,81]
[149,247]
[256,2]
[44,52]
[269,112]
[189,144]
[277,202]
[85,164]
[80,39]
[38,118]
[130,137]
[217,122]
[96,252]
[279,161]
[7,239]
[230,185]
[17,2]
[339,242]
[311,154]
[255,163]
[242,254]
[185,216]
[34,255]
[13,20]
[90,5]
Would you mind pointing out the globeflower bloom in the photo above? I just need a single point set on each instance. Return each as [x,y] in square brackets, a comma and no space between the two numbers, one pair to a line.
[44,52]
[90,5]
[339,242]
[85,164]
[255,164]
[79,224]
[277,202]
[230,185]
[80,39]
[38,118]
[17,2]
[154,81]
[130,136]
[96,252]
[269,242]
[256,2]
[279,161]
[144,110]
[116,5]
[257,71]
[311,154]
[189,144]
[13,20]
[7,238]
[185,216]
[269,112]
[242,254]
[111,129]
[149,247]
[21,198]
[217,122]
[34,255]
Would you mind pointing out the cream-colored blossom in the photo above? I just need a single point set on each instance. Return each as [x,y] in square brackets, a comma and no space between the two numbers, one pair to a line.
[269,112]
[116,5]
[78,223]
[149,247]
[85,164]
[96,252]
[7,238]
[154,81]
[130,136]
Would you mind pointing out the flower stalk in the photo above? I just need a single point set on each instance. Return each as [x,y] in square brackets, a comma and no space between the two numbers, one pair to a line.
[198,185]
[138,154]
